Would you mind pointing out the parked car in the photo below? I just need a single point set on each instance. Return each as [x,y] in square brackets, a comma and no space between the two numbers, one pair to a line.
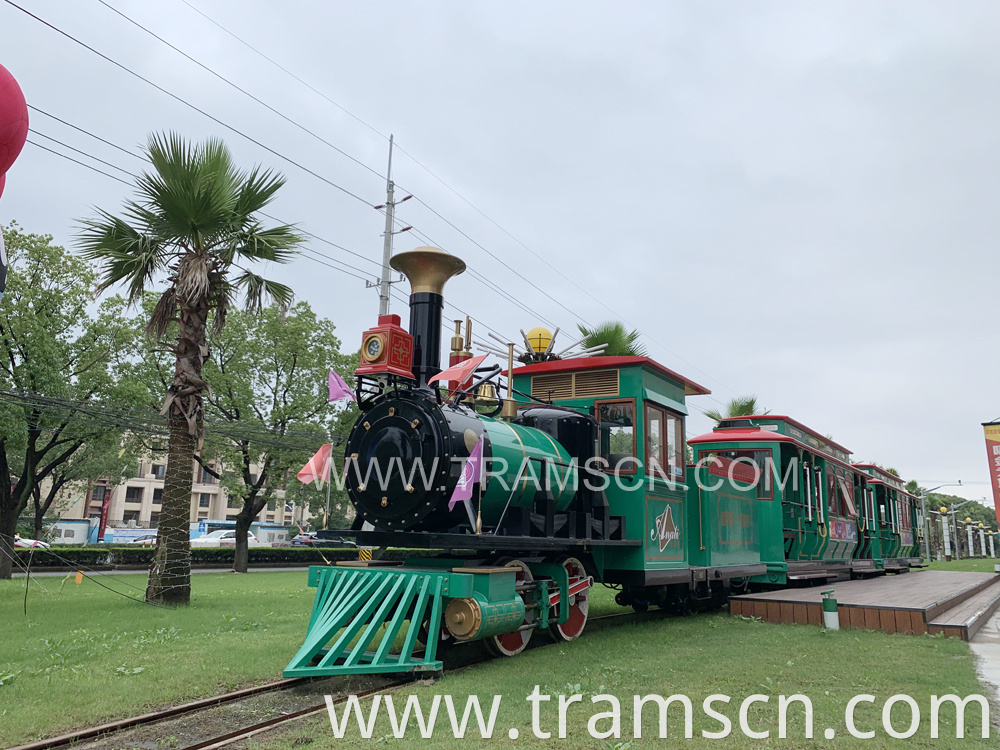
[309,539]
[305,539]
[223,538]
[20,541]
[146,540]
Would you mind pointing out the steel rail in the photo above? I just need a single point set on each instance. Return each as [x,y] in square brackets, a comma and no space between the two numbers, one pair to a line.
[241,734]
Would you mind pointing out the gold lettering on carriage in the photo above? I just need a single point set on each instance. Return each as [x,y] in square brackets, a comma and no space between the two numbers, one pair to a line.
[666,531]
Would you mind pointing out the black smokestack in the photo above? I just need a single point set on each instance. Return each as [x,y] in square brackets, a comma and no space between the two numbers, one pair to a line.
[428,269]
[425,327]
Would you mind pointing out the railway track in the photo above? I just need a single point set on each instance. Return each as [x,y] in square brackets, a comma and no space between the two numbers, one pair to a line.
[103,731]
[90,733]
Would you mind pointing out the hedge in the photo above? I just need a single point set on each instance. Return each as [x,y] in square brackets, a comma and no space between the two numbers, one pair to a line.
[112,555]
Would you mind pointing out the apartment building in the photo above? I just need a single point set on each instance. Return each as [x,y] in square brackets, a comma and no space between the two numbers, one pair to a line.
[137,500]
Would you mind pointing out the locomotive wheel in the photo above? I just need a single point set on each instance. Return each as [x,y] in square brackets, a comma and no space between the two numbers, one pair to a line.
[511,644]
[579,605]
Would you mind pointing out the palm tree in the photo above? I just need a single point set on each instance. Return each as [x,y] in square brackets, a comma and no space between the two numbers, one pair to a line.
[620,341]
[193,224]
[741,406]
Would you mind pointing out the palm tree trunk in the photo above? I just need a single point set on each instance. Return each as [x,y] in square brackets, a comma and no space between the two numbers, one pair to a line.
[170,572]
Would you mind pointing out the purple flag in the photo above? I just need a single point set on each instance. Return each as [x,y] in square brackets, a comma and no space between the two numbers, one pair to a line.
[340,390]
[472,473]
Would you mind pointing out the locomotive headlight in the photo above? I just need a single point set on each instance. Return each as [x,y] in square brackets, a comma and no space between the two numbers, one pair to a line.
[373,348]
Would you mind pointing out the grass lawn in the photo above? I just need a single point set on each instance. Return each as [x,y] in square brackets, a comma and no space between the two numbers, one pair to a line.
[974,565]
[84,655]
[697,656]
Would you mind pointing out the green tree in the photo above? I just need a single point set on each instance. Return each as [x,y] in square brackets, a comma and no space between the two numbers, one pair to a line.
[620,341]
[741,406]
[59,365]
[104,456]
[194,221]
[269,407]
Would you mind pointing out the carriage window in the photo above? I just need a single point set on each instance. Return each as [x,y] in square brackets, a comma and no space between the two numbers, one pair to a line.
[850,510]
[761,459]
[617,432]
[664,443]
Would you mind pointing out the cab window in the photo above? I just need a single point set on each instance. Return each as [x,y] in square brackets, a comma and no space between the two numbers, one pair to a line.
[664,443]
[616,420]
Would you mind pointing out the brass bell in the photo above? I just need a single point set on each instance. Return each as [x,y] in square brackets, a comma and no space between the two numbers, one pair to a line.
[487,393]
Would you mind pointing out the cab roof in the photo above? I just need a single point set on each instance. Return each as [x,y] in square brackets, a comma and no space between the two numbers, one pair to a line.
[578,364]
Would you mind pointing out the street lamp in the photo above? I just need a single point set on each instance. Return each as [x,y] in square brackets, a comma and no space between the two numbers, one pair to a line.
[954,523]
[926,520]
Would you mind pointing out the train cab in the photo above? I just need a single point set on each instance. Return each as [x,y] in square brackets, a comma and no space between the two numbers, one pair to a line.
[689,537]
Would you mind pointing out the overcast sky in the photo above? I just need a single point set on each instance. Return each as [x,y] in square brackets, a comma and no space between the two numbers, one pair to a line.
[791,199]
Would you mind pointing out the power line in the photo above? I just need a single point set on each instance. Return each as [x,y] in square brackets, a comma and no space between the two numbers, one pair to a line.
[286,70]
[265,147]
[76,161]
[87,132]
[267,106]
[319,93]
[84,153]
[344,153]
[321,256]
[482,213]
[365,275]
[77,412]
[243,91]
[188,104]
[322,259]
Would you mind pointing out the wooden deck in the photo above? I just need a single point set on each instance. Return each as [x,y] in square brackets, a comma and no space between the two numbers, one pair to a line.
[931,601]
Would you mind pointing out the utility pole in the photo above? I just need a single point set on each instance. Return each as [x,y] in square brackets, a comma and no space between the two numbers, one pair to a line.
[390,213]
[390,216]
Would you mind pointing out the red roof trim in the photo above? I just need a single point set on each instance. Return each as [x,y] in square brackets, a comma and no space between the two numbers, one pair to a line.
[880,470]
[603,363]
[756,435]
[798,424]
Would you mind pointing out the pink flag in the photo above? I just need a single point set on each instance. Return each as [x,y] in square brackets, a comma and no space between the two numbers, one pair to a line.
[318,468]
[339,389]
[460,372]
[472,473]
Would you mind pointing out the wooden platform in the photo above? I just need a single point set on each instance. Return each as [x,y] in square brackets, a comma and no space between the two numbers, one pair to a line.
[930,601]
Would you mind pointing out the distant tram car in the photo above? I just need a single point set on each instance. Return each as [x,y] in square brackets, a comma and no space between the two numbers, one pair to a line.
[587,481]
[819,517]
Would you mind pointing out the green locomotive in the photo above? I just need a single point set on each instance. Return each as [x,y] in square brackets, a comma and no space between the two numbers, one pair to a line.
[580,474]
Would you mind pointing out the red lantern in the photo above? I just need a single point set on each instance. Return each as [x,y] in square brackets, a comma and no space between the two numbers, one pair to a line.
[13,119]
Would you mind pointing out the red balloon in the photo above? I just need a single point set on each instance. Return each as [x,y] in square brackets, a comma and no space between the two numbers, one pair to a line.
[3,181]
[13,119]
